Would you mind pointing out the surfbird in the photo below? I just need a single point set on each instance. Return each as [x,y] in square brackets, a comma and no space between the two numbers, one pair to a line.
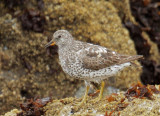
[88,62]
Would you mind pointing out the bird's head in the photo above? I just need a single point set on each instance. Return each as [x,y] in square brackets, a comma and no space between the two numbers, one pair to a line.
[60,38]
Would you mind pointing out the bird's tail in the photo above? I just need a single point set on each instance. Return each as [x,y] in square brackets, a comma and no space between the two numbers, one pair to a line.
[127,58]
[136,57]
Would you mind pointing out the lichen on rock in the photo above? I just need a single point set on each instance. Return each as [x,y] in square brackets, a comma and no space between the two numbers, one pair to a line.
[35,71]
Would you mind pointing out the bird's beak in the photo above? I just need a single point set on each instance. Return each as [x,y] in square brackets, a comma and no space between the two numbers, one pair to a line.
[51,43]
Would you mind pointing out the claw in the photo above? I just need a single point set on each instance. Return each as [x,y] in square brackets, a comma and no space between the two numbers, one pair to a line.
[84,98]
[101,93]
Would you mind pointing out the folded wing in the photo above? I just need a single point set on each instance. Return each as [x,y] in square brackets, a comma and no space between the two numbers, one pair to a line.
[96,57]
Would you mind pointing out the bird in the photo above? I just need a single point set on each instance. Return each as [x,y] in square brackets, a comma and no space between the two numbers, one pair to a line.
[87,61]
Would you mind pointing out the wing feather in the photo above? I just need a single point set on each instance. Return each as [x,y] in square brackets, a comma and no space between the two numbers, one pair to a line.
[96,57]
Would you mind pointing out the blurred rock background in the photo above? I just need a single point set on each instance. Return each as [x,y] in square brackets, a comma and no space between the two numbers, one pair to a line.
[28,70]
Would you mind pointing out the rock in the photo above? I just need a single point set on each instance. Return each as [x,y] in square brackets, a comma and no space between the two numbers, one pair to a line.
[118,105]
[34,71]
[12,112]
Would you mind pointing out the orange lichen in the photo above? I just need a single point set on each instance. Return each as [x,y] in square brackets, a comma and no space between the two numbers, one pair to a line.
[33,107]
[146,2]
[136,90]
[95,93]
[122,100]
[111,97]
[119,107]
[110,114]
[140,91]
[153,89]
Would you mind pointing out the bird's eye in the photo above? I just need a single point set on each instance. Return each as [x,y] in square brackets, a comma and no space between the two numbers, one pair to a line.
[59,36]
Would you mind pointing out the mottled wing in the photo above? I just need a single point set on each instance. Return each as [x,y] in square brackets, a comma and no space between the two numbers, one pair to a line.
[96,57]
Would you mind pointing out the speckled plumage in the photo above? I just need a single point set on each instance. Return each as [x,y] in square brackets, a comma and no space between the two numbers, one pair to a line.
[86,61]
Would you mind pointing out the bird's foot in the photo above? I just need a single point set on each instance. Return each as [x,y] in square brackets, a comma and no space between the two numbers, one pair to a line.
[97,99]
[80,103]
[100,94]
[84,98]
[77,105]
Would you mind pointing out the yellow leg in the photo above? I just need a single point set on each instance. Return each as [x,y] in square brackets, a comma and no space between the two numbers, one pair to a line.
[101,91]
[100,94]
[85,96]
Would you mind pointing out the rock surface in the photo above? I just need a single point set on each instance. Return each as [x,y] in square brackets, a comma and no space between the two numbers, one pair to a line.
[28,70]
[135,101]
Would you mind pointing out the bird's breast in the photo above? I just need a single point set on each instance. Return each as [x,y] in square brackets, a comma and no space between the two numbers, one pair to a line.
[71,64]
